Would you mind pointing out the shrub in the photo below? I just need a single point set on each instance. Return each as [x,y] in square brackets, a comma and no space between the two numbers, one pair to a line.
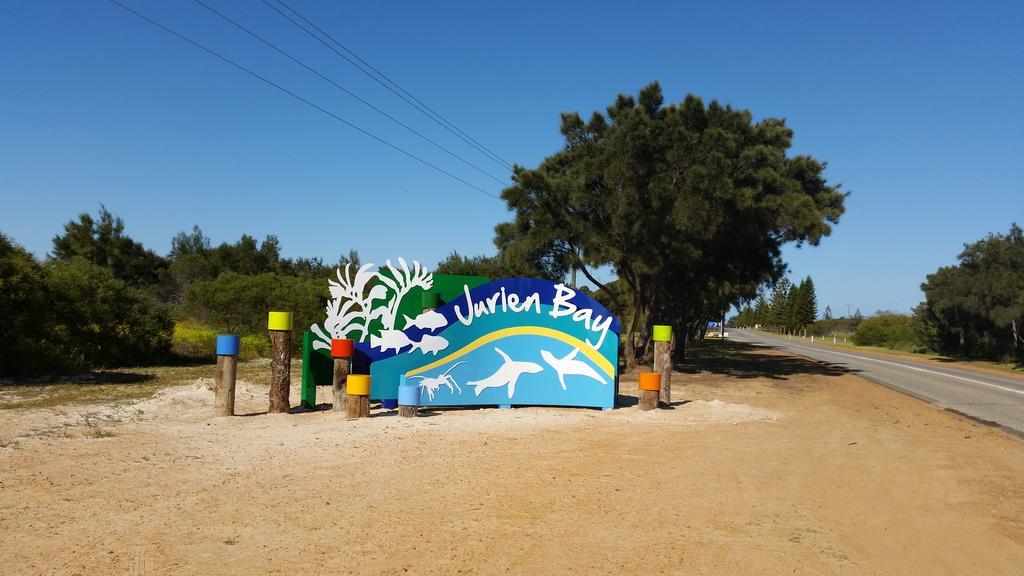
[834,326]
[194,340]
[25,330]
[258,346]
[101,321]
[239,304]
[888,330]
[74,314]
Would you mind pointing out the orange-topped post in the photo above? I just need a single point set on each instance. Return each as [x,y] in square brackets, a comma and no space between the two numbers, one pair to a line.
[341,351]
[650,385]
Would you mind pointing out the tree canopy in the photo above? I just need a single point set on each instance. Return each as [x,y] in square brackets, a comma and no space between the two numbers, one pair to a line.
[688,203]
[102,241]
[976,308]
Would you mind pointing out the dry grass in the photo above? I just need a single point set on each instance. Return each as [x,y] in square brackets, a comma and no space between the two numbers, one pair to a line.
[124,385]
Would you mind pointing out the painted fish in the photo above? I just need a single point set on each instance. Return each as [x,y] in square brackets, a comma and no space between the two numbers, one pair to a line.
[570,366]
[429,320]
[507,375]
[390,339]
[430,344]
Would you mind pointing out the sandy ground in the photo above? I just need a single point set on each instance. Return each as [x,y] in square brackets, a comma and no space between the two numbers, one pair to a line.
[766,464]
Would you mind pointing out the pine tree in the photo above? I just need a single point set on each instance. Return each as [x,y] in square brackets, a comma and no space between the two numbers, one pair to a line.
[777,311]
[808,302]
[761,309]
[827,315]
[793,306]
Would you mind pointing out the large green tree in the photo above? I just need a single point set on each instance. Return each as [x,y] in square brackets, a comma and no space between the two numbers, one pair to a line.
[689,203]
[808,305]
[26,334]
[103,242]
[976,308]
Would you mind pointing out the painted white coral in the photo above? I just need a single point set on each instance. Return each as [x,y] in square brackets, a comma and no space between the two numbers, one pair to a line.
[350,310]
[401,282]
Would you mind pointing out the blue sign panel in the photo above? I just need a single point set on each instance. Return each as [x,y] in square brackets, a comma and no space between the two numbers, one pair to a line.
[510,342]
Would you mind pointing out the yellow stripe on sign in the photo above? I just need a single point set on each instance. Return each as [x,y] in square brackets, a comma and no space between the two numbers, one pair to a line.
[585,348]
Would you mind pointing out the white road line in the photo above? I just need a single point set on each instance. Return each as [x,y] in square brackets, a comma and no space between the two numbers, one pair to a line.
[1014,390]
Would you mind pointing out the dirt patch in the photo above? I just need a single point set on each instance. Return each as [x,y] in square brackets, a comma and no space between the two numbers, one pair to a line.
[765,464]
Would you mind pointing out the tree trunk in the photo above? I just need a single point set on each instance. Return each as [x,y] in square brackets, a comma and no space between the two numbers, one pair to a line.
[224,386]
[341,367]
[663,365]
[679,342]
[280,371]
[631,347]
[357,406]
[648,400]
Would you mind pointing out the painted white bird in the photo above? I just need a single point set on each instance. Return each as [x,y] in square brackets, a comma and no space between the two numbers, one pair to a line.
[570,366]
[508,374]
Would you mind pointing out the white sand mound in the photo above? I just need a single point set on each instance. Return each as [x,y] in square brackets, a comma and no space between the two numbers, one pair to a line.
[195,400]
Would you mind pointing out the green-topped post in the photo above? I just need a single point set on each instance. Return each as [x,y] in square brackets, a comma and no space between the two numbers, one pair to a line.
[663,362]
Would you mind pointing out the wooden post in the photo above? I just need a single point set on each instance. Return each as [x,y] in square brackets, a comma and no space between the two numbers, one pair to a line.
[341,350]
[650,384]
[341,368]
[224,381]
[357,396]
[408,398]
[663,361]
[280,326]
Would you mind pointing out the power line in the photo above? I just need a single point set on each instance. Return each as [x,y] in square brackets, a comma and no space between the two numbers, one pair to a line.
[298,97]
[346,90]
[400,92]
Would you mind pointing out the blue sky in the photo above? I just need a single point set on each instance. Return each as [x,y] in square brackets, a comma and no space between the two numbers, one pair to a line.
[918,108]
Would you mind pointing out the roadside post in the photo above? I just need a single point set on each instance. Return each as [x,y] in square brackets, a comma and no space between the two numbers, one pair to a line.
[227,369]
[408,398]
[357,396]
[663,361]
[650,384]
[341,352]
[280,326]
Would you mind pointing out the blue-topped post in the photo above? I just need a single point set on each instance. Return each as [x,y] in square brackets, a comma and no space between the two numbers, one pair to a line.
[227,368]
[408,398]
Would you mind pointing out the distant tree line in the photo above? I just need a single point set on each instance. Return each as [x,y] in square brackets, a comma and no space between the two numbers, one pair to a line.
[102,299]
[973,309]
[792,308]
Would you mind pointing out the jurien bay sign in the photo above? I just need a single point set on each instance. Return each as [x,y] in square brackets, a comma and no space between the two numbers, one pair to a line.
[561,305]
[516,341]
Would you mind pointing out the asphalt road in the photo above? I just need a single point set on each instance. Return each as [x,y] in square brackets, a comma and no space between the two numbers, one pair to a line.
[981,395]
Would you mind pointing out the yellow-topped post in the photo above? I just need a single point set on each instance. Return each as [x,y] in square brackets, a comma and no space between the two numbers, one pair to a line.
[280,326]
[357,396]
[663,362]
